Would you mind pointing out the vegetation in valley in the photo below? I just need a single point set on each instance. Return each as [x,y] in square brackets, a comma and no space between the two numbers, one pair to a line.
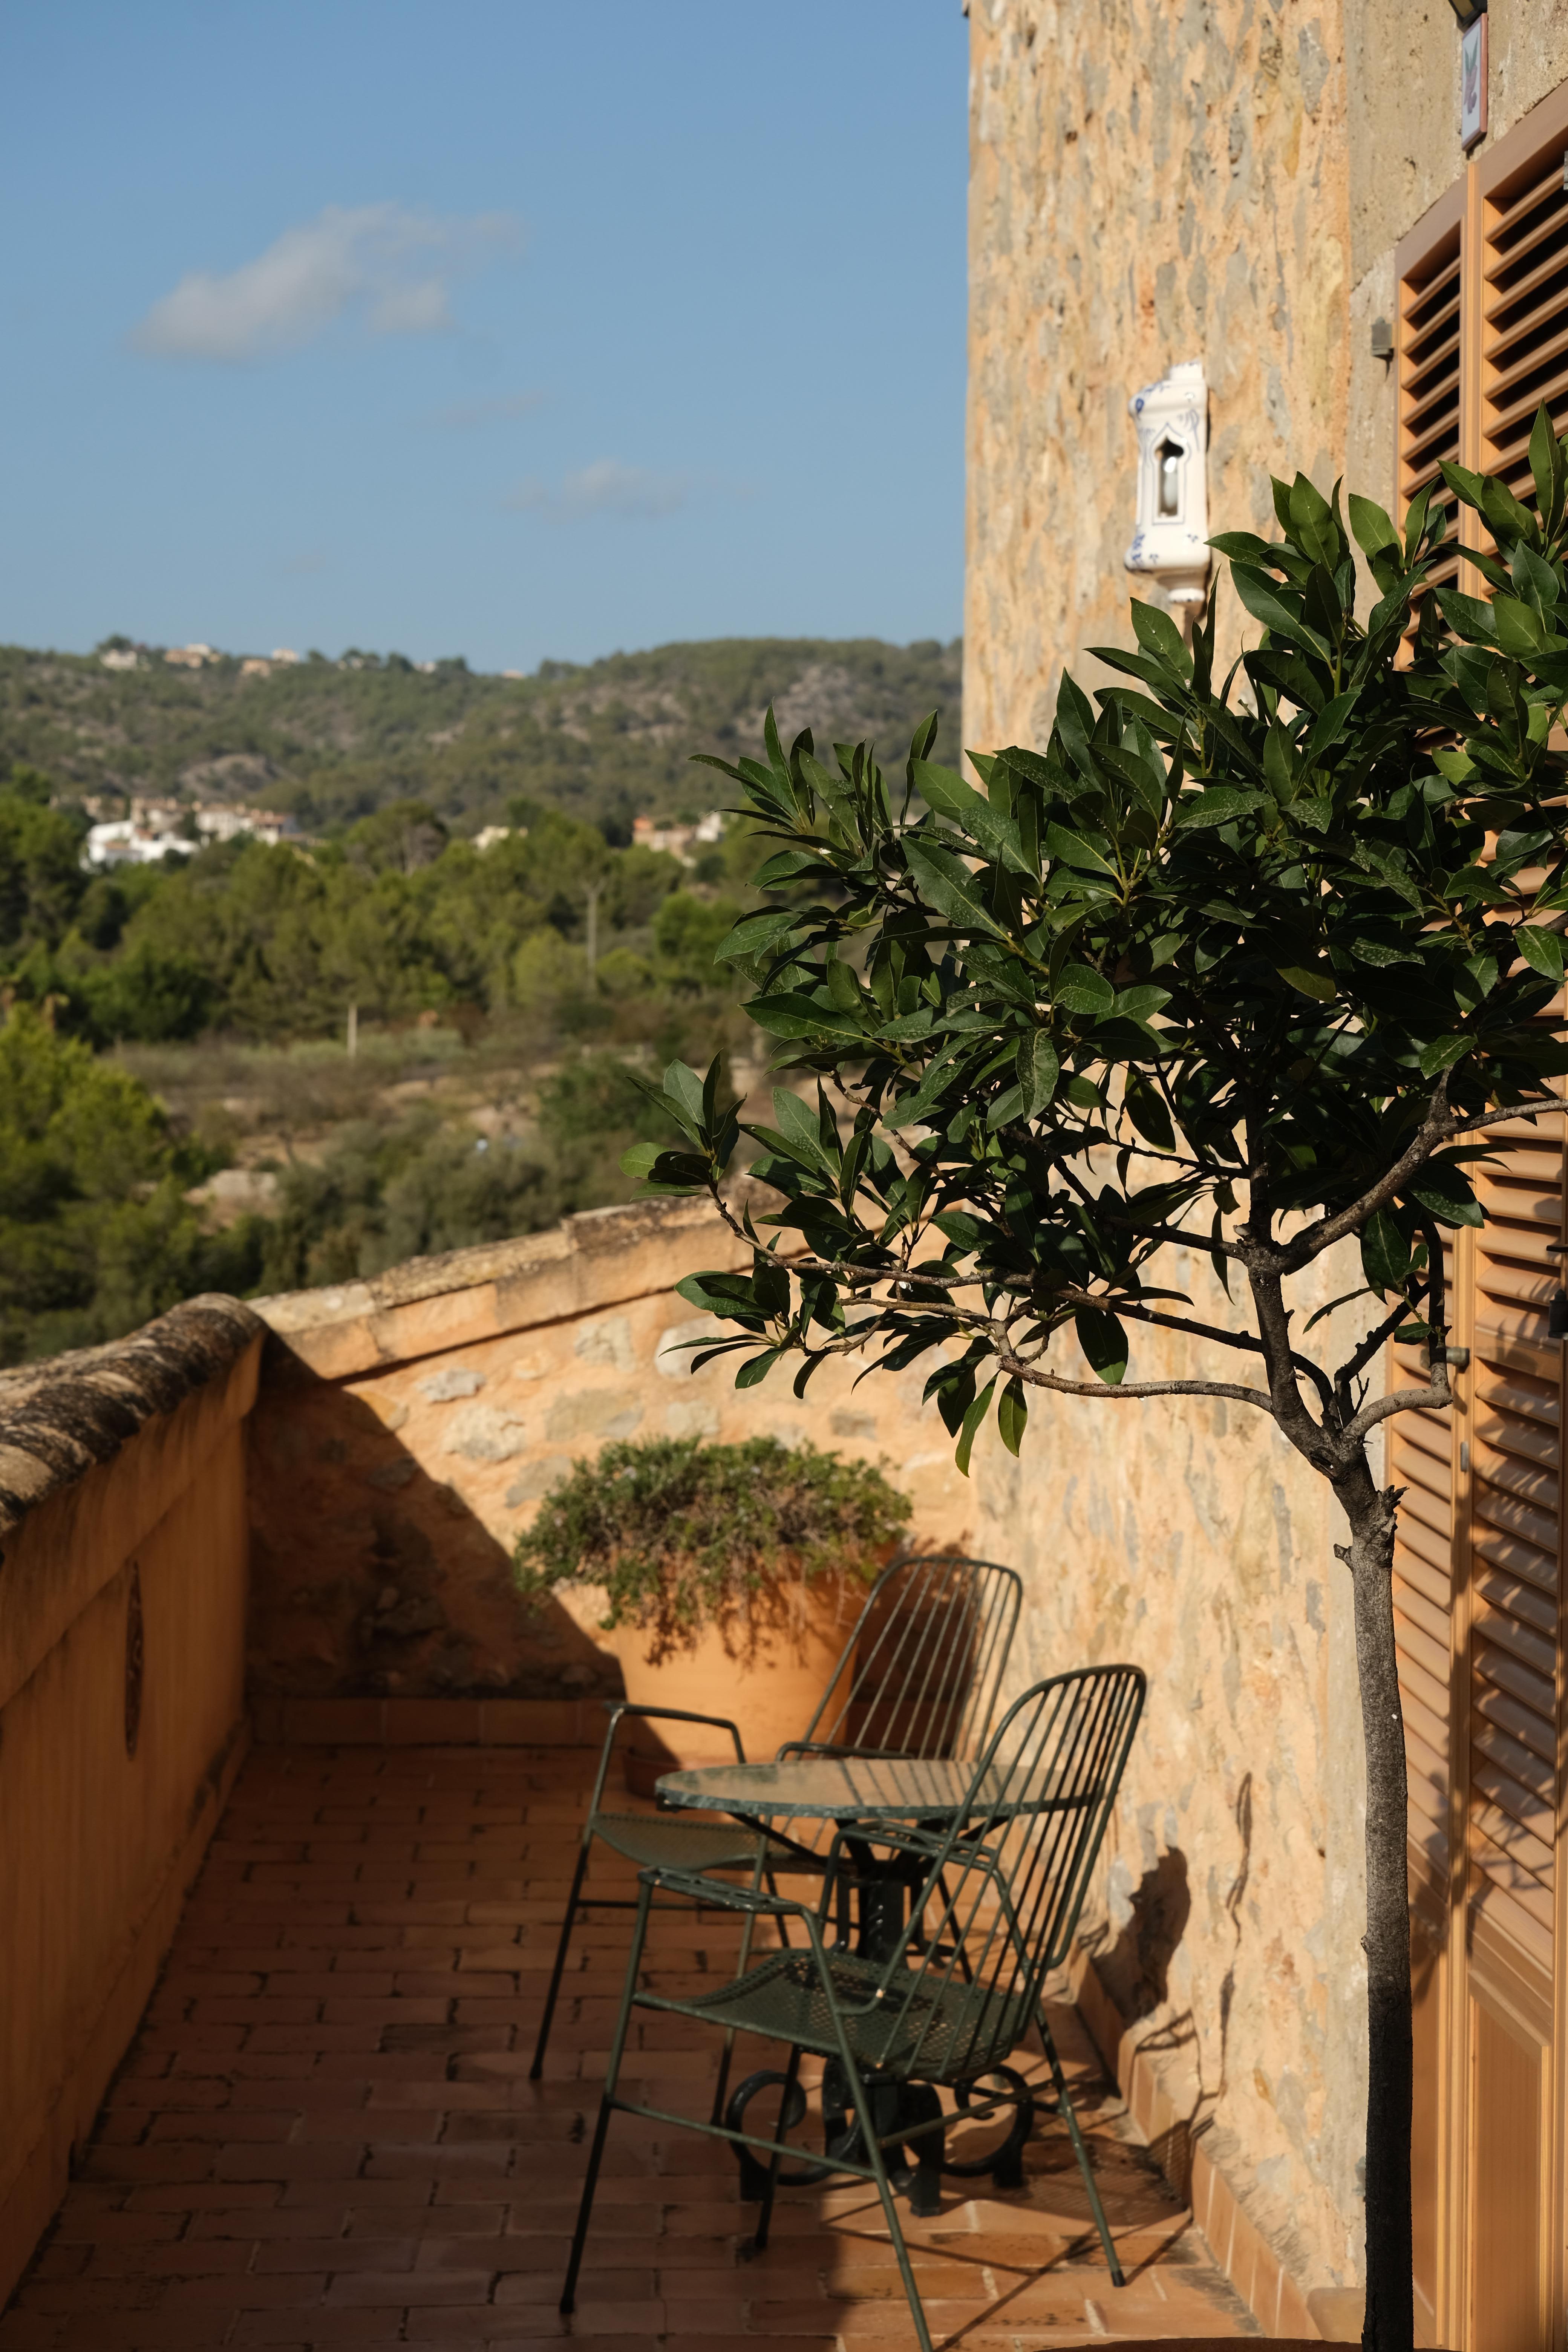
[335,740]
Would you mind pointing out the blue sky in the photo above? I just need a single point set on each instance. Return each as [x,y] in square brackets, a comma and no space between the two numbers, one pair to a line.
[507,331]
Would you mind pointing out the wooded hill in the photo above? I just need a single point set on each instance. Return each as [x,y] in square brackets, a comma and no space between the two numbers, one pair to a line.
[335,741]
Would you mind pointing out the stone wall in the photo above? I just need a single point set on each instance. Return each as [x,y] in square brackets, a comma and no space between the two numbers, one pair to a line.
[1149,183]
[122,1705]
[1153,181]
[1187,1538]
[407,1427]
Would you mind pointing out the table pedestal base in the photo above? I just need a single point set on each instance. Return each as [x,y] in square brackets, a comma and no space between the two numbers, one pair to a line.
[915,2166]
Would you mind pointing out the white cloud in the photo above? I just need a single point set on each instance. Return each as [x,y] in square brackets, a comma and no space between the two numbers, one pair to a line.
[392,267]
[504,409]
[606,487]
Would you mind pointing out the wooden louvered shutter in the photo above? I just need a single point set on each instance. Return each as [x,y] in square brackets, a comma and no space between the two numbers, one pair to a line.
[1421,1452]
[1482,341]
[1515,1386]
[1524,336]
[1432,319]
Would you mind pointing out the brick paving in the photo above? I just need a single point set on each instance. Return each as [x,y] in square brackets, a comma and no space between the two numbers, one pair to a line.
[324,2135]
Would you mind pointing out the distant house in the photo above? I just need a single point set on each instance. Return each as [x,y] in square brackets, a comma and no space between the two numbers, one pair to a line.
[222,821]
[489,834]
[254,667]
[285,655]
[154,827]
[132,841]
[121,657]
[677,840]
[193,657]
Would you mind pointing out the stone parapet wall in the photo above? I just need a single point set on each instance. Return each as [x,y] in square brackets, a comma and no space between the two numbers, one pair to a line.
[408,1426]
[122,1589]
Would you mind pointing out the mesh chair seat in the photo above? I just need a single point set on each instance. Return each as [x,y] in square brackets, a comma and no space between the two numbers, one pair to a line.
[673,1841]
[941,2030]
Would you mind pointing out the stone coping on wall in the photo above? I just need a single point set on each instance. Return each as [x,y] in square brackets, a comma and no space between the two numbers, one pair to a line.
[61,1417]
[597,1259]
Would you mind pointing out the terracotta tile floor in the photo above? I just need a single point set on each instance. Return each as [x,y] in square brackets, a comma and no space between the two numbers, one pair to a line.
[325,2136]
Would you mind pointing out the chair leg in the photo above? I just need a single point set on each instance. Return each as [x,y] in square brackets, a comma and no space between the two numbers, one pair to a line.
[760,2238]
[728,2051]
[866,2118]
[596,2154]
[537,2068]
[1064,2100]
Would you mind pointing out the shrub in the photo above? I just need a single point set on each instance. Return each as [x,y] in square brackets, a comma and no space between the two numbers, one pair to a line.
[683,1536]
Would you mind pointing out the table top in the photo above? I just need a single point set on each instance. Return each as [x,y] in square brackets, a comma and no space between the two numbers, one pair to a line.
[852,1787]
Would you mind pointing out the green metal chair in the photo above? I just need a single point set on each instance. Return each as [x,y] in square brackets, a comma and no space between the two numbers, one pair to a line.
[918,1675]
[995,1905]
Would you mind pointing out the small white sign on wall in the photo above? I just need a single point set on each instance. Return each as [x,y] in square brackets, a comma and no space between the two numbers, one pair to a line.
[1473,83]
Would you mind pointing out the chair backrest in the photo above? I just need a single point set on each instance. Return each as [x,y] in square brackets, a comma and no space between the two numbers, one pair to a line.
[920,1672]
[1006,1881]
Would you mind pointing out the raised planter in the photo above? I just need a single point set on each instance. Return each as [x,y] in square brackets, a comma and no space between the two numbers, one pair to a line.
[768,1686]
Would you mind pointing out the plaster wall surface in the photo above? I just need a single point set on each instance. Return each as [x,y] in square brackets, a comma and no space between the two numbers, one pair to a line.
[121,1723]
[407,1429]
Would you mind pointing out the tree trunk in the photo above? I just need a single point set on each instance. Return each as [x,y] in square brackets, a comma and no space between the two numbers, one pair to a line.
[1390,2300]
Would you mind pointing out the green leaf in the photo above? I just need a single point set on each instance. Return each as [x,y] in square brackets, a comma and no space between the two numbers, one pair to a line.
[1146,1109]
[798,1126]
[947,884]
[1216,804]
[1542,950]
[1543,454]
[755,935]
[757,1367]
[1330,725]
[1072,849]
[1082,989]
[684,1086]
[1158,634]
[1103,1342]
[1384,1254]
[791,1015]
[1521,631]
[973,1420]
[1013,1414]
[1258,593]
[1308,984]
[1442,1053]
[639,1159]
[1445,1191]
[1374,528]
[1039,1067]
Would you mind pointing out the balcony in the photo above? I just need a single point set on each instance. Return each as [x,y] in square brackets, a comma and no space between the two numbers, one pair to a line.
[289,1791]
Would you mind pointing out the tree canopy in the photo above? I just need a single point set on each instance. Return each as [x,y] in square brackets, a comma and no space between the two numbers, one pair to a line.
[1241,966]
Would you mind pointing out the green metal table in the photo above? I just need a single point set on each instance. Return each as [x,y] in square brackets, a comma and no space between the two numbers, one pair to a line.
[858,1793]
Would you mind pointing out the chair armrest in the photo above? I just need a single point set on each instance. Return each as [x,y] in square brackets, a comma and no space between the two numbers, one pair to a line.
[724,1895]
[618,1708]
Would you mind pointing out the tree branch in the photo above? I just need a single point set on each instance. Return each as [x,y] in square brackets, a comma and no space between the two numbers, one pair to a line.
[1433,1399]
[1137,1387]
[1435,1128]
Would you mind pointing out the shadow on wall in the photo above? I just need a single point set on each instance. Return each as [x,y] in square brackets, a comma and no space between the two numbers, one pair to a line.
[372,1578]
[1135,1971]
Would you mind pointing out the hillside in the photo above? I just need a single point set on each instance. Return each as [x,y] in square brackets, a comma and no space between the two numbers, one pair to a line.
[333,741]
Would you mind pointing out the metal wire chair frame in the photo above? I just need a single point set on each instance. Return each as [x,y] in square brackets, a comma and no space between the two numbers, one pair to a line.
[949,1692]
[1044,1785]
